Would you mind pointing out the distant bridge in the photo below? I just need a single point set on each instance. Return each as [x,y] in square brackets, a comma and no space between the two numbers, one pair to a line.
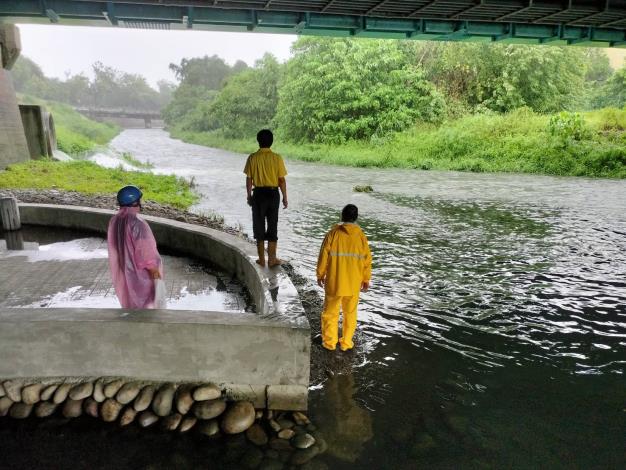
[561,22]
[147,116]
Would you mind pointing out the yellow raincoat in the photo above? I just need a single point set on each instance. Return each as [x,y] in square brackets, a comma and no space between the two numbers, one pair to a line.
[344,262]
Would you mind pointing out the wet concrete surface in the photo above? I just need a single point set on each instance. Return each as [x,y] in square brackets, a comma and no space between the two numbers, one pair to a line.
[44,268]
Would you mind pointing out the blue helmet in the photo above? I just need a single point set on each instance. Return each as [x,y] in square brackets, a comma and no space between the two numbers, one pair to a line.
[128,195]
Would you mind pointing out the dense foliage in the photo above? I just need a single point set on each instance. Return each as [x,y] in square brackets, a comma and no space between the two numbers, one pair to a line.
[109,88]
[341,90]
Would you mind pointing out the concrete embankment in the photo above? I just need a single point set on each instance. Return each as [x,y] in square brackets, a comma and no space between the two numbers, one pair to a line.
[260,358]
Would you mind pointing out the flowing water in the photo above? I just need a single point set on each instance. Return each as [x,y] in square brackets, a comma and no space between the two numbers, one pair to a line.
[494,332]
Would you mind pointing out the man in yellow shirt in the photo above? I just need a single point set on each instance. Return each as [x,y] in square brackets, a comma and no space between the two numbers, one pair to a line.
[344,268]
[265,171]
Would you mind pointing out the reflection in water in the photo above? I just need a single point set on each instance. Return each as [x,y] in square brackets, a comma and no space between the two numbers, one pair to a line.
[345,425]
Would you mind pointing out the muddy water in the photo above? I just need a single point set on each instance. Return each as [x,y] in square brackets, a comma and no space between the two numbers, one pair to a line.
[494,334]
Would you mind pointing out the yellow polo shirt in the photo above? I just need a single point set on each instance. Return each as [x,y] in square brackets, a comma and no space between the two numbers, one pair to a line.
[265,167]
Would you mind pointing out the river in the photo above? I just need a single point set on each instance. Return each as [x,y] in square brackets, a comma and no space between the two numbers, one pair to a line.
[494,332]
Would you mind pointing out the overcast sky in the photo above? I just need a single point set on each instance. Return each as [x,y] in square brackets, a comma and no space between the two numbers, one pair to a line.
[59,49]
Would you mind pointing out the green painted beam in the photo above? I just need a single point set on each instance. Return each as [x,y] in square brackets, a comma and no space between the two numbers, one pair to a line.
[164,15]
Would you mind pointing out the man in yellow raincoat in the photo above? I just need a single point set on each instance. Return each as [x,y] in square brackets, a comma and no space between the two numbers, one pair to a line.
[344,268]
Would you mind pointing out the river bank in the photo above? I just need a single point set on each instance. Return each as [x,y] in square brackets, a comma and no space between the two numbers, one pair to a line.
[565,144]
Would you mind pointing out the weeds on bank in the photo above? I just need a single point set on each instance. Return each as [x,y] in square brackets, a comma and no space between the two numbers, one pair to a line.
[518,142]
[89,178]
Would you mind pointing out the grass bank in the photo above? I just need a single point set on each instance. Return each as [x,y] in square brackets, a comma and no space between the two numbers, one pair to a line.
[518,142]
[89,178]
[76,134]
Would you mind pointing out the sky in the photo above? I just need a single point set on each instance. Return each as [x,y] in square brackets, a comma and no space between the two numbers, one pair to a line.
[61,49]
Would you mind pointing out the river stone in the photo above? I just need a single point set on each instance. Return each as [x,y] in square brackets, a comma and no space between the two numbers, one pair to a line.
[286,433]
[128,392]
[20,410]
[128,416]
[257,435]
[302,456]
[98,391]
[171,422]
[209,409]
[303,441]
[5,405]
[90,405]
[271,453]
[13,389]
[238,417]
[209,428]
[207,392]
[285,423]
[73,408]
[81,391]
[274,425]
[269,414]
[111,389]
[184,400]
[259,414]
[163,400]
[187,423]
[43,409]
[61,393]
[48,391]
[31,393]
[144,399]
[110,410]
[147,418]
[300,418]
[311,427]
[2,391]
[277,443]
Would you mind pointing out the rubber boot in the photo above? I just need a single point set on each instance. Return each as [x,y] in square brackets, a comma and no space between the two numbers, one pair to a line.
[260,249]
[271,258]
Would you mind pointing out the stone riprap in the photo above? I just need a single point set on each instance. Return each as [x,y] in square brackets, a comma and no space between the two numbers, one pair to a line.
[262,358]
[272,430]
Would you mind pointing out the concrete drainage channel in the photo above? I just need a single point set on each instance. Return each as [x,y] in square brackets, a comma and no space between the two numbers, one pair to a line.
[209,370]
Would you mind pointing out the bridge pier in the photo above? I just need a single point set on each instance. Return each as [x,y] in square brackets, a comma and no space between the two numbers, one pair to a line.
[148,122]
[13,145]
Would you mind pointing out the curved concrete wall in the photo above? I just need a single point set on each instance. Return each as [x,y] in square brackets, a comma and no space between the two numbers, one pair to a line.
[262,357]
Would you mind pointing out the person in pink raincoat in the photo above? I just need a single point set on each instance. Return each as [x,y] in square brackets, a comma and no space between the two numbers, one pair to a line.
[133,257]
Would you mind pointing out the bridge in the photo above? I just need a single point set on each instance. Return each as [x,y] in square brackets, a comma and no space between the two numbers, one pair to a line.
[571,22]
[147,116]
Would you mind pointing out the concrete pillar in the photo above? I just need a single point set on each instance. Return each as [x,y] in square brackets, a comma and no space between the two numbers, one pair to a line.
[13,146]
[10,214]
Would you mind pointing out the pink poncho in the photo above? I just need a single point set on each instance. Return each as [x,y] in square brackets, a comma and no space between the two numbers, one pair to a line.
[132,251]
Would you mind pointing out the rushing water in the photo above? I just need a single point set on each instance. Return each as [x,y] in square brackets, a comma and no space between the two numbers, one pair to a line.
[493,336]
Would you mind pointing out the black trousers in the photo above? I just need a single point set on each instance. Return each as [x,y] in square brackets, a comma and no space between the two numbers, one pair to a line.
[265,203]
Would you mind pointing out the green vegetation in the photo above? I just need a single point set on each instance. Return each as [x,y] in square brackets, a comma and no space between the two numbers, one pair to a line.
[128,158]
[414,104]
[586,144]
[109,88]
[363,189]
[89,178]
[76,134]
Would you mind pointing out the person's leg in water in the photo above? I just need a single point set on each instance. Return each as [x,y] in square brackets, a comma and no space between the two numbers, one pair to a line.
[330,322]
[348,310]
[272,230]
[258,227]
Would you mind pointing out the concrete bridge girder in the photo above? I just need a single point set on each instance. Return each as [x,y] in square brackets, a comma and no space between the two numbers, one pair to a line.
[13,145]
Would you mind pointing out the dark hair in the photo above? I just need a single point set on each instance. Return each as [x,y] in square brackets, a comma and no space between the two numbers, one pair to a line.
[350,213]
[265,138]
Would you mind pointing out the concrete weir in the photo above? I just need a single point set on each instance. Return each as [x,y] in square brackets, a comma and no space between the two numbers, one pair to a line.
[259,357]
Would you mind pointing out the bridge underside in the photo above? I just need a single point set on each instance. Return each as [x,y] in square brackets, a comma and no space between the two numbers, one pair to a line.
[580,22]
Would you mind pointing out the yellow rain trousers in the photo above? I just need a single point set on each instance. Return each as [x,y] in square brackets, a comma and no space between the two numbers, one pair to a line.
[344,262]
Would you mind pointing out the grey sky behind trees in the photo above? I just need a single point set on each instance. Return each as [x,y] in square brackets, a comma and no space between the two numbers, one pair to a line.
[61,49]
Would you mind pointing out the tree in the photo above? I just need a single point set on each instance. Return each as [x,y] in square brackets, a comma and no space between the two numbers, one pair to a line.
[337,90]
[504,77]
[248,100]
